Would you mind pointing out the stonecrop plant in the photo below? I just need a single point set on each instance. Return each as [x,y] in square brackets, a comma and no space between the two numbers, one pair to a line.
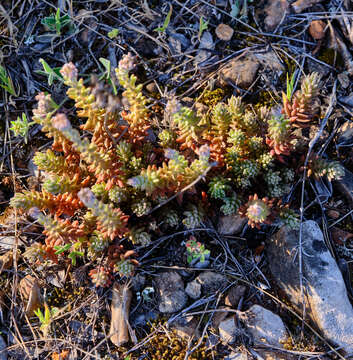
[122,179]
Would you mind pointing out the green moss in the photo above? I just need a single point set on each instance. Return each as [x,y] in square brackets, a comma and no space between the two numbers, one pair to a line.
[330,57]
[212,97]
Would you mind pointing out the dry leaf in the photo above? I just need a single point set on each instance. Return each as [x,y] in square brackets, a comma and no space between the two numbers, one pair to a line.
[224,32]
[301,5]
[30,292]
[120,309]
[6,260]
[340,236]
[62,356]
[317,29]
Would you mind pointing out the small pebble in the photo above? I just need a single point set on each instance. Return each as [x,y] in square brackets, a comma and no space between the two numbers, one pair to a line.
[333,214]
[224,32]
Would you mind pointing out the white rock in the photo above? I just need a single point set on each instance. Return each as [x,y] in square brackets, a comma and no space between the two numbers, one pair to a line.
[231,224]
[211,282]
[3,351]
[193,289]
[170,288]
[326,296]
[227,329]
[236,356]
[265,327]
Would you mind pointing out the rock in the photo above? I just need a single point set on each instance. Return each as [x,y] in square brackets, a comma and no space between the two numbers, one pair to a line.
[269,60]
[138,282]
[317,29]
[201,109]
[9,242]
[186,327]
[219,316]
[211,282]
[33,169]
[206,43]
[224,32]
[234,295]
[152,87]
[170,288]
[242,72]
[193,289]
[345,185]
[265,327]
[231,224]
[344,79]
[326,297]
[239,72]
[274,13]
[236,356]
[3,351]
[333,214]
[300,5]
[6,260]
[227,329]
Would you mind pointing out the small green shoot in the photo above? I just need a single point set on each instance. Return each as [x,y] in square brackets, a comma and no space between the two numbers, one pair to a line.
[21,126]
[113,33]
[6,82]
[195,250]
[202,27]
[46,318]
[166,21]
[235,9]
[108,74]
[290,86]
[52,73]
[74,253]
[57,22]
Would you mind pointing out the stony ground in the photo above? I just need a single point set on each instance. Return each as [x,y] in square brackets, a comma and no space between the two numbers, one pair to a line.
[259,294]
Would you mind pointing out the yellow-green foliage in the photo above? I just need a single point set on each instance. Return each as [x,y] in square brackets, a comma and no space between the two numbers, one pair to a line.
[102,184]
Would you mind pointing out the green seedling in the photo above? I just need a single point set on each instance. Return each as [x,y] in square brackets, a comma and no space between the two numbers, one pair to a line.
[57,22]
[108,74]
[52,73]
[290,86]
[203,26]
[240,8]
[74,253]
[166,21]
[20,127]
[113,33]
[195,250]
[46,318]
[6,82]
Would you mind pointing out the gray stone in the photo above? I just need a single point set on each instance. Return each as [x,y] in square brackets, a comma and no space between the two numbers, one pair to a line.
[227,329]
[3,351]
[170,288]
[206,42]
[236,356]
[274,13]
[239,72]
[345,185]
[211,282]
[234,295]
[186,327]
[9,242]
[265,327]
[231,224]
[325,294]
[269,60]
[193,289]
